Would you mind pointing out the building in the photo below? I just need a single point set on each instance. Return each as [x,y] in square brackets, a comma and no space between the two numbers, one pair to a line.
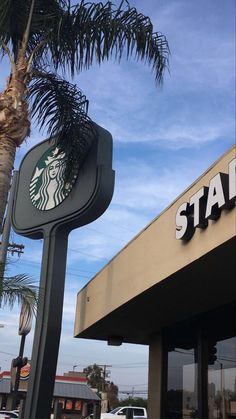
[173,288]
[70,390]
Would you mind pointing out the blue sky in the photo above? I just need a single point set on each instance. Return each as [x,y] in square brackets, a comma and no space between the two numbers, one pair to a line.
[164,138]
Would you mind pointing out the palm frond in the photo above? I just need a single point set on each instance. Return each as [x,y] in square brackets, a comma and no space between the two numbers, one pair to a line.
[19,289]
[96,31]
[73,37]
[14,17]
[62,108]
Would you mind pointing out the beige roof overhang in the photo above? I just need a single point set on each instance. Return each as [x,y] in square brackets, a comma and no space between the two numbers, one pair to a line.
[157,280]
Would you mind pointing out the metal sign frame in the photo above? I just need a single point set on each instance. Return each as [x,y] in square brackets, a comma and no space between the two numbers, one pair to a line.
[88,199]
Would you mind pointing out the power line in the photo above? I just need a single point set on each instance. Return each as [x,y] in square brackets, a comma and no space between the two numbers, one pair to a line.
[69,271]
[115,366]
[88,254]
[129,363]
[133,392]
[132,385]
[105,234]
[130,367]
[7,353]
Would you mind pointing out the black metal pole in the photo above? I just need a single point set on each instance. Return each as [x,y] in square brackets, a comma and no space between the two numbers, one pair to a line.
[202,375]
[7,223]
[18,370]
[48,326]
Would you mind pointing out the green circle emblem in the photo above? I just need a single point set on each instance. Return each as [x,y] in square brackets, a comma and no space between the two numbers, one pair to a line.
[48,187]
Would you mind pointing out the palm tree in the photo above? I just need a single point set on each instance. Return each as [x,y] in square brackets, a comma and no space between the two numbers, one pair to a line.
[18,289]
[45,40]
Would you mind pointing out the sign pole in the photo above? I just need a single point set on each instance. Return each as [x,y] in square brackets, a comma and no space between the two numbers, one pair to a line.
[18,370]
[48,325]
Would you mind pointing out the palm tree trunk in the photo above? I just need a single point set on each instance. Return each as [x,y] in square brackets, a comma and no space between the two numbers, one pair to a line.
[7,157]
[14,127]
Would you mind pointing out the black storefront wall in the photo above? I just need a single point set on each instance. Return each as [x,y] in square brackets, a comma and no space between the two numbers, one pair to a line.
[199,367]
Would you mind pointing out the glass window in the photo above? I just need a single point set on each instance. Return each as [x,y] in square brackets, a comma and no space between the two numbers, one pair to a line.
[181,399]
[78,405]
[182,395]
[114,410]
[200,367]
[138,412]
[69,405]
[222,379]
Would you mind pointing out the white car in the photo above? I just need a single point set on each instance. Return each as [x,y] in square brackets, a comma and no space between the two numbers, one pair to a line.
[138,413]
[9,414]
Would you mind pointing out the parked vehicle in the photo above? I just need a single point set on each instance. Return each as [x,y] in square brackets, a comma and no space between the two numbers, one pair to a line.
[138,412]
[4,416]
[9,414]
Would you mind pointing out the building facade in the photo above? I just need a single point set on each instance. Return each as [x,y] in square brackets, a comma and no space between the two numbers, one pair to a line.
[173,287]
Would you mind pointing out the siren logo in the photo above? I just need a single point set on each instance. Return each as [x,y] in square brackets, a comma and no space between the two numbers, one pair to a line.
[48,187]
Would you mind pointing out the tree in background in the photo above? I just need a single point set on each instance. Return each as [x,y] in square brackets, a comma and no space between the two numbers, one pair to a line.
[112,394]
[95,378]
[18,289]
[46,40]
[133,401]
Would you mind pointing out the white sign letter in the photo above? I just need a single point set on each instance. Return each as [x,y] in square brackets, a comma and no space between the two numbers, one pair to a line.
[199,207]
[232,180]
[216,199]
[184,224]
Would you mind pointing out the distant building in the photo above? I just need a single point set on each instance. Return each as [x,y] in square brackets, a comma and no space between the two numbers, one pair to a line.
[70,389]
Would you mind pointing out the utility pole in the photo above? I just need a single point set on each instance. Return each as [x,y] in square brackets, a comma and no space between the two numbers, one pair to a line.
[104,373]
[15,248]
[104,395]
[5,246]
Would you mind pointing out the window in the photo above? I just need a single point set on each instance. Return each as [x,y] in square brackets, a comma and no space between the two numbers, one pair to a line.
[78,405]
[200,367]
[69,405]
[114,410]
[222,380]
[182,389]
[138,412]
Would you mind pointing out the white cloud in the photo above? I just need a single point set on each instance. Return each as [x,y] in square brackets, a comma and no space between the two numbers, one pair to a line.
[202,48]
[175,135]
[187,135]
[106,236]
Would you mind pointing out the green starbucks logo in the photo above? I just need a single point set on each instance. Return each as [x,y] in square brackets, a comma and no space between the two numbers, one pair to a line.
[48,187]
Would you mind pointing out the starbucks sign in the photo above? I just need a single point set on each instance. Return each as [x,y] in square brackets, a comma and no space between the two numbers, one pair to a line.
[45,198]
[48,187]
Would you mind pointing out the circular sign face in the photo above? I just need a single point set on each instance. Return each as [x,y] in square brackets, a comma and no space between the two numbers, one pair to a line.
[24,372]
[25,321]
[48,187]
